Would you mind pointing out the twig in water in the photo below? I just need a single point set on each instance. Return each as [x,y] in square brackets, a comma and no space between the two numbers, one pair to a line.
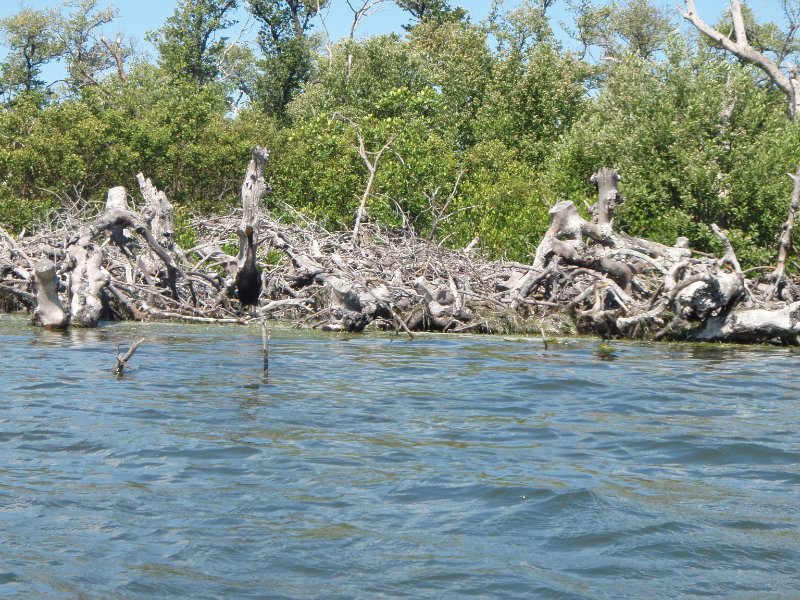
[122,360]
[264,338]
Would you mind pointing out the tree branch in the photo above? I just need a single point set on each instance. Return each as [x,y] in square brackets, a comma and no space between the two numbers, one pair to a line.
[746,53]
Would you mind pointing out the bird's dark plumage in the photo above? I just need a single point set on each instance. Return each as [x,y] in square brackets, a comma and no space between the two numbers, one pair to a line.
[248,279]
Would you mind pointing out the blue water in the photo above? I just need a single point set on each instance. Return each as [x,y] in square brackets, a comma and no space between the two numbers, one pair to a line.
[375,467]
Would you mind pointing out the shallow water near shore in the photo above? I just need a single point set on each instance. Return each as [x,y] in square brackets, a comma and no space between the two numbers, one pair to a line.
[377,467]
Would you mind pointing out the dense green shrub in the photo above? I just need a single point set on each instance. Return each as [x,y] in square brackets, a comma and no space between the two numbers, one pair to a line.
[484,127]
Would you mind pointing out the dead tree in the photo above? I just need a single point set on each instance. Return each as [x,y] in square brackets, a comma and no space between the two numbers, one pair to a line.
[158,212]
[787,82]
[254,188]
[786,229]
[584,271]
[785,78]
[50,312]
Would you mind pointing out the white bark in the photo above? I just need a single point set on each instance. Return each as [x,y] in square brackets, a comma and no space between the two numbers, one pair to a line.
[254,186]
[741,48]
[89,278]
[157,212]
[117,199]
[50,312]
[608,198]
[756,325]
[567,228]
[786,229]
[86,283]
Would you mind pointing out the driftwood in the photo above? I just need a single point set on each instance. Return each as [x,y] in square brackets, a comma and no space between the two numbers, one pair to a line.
[122,265]
[122,360]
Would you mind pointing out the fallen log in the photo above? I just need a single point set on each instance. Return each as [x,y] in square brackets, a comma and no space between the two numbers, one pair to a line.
[753,326]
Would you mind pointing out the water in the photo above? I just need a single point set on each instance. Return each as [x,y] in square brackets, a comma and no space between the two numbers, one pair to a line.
[374,467]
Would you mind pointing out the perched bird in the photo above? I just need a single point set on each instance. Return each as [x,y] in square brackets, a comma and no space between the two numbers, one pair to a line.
[248,279]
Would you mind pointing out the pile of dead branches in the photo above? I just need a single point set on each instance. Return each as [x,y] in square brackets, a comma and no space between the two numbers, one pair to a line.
[125,264]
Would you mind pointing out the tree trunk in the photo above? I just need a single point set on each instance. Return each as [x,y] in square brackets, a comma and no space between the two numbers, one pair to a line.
[786,229]
[608,198]
[157,212]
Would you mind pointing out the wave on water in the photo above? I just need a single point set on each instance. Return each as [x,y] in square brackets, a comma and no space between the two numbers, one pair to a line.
[369,467]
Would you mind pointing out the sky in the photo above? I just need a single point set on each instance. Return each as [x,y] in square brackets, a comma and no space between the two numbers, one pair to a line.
[137,17]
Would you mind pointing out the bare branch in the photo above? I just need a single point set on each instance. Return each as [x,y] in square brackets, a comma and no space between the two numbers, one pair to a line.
[786,228]
[746,53]
[123,360]
[117,53]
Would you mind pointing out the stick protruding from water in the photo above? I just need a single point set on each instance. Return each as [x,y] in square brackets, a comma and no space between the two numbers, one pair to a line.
[122,360]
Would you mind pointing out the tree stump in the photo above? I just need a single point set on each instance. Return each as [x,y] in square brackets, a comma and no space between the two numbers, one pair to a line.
[49,312]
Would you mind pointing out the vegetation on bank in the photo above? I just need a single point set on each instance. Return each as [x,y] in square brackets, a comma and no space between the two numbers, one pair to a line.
[484,125]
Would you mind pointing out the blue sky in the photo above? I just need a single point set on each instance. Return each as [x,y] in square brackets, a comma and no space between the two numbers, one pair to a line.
[136,17]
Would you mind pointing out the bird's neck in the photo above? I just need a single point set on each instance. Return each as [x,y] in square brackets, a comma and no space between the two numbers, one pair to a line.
[250,255]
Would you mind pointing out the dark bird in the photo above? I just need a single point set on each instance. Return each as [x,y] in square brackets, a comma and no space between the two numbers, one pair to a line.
[248,279]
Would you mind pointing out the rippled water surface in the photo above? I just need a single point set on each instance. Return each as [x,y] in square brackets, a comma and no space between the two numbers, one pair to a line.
[375,467]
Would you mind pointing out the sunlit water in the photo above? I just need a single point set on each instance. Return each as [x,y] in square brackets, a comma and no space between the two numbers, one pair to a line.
[375,467]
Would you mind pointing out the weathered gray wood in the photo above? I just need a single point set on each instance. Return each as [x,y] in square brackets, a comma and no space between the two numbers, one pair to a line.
[608,198]
[754,326]
[564,239]
[158,212]
[741,48]
[254,187]
[707,296]
[349,309]
[785,241]
[567,229]
[86,283]
[49,313]
[611,283]
[123,360]
[88,277]
[117,199]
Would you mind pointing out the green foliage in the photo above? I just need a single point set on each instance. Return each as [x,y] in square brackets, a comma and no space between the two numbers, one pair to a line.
[175,133]
[185,235]
[640,27]
[17,214]
[454,59]
[80,36]
[32,44]
[377,66]
[696,141]
[273,257]
[287,53]
[431,11]
[189,44]
[315,169]
[481,127]
[499,203]
[231,247]
[533,99]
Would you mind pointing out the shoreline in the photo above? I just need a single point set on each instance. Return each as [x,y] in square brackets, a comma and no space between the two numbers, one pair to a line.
[584,278]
